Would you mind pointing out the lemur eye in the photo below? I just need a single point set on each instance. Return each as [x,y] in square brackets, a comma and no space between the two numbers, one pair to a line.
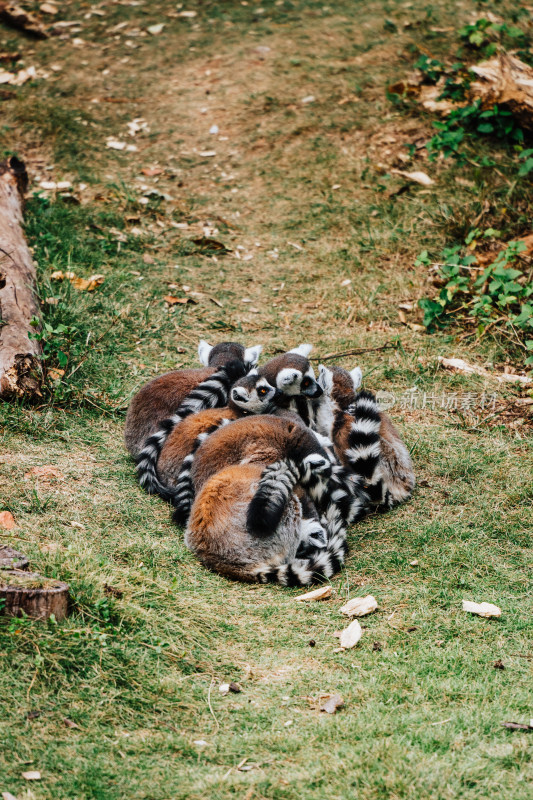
[262,391]
[305,383]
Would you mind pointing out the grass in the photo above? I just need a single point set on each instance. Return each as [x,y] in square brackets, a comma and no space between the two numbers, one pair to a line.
[115,701]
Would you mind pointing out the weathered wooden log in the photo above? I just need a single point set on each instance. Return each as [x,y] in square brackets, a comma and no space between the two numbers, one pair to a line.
[38,597]
[12,559]
[507,81]
[20,367]
[23,20]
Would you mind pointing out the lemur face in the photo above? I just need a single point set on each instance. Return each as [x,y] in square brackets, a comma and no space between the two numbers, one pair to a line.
[292,373]
[253,394]
[294,381]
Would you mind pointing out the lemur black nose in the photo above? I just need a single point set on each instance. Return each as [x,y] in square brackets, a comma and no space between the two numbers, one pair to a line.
[314,390]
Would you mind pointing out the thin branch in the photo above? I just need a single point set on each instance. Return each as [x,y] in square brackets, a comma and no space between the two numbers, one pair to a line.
[357,351]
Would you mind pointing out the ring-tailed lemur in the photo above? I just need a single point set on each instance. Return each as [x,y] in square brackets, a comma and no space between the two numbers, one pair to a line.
[364,438]
[211,392]
[292,375]
[159,399]
[246,521]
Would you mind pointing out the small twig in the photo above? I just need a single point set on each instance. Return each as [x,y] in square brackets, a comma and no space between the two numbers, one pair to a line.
[210,706]
[442,721]
[356,352]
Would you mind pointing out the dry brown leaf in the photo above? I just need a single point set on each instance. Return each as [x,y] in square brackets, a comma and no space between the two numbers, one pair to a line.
[48,8]
[332,703]
[7,520]
[482,609]
[48,472]
[87,284]
[151,172]
[518,726]
[350,635]
[360,606]
[55,373]
[32,775]
[70,724]
[416,177]
[8,796]
[173,301]
[317,594]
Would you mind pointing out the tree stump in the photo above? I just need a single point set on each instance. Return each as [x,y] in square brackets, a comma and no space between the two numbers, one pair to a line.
[38,597]
[12,559]
[20,366]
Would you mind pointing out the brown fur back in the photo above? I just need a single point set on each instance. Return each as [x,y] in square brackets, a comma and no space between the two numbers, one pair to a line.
[263,439]
[156,401]
[217,531]
[180,442]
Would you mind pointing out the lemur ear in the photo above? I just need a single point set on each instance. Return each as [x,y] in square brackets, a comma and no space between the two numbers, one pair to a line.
[324,379]
[302,350]
[357,377]
[251,355]
[204,348]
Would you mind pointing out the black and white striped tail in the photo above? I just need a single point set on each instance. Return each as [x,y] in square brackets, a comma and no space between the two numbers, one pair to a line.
[183,491]
[364,446]
[318,566]
[268,504]
[211,393]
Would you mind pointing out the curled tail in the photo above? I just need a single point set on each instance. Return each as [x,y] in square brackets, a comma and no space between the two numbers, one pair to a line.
[346,503]
[268,504]
[182,493]
[319,565]
[211,393]
[364,446]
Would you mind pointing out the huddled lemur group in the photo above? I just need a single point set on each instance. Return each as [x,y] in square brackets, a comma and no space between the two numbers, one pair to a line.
[268,466]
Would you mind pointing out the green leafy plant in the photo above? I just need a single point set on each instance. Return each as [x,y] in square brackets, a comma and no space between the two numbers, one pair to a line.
[56,342]
[485,35]
[498,296]
[472,121]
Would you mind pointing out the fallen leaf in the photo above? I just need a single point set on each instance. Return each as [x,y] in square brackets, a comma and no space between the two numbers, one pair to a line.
[377,647]
[350,635]
[187,14]
[156,29]
[8,796]
[7,520]
[518,726]
[173,301]
[87,284]
[70,724]
[112,591]
[117,144]
[47,471]
[235,688]
[360,606]
[403,318]
[151,172]
[416,177]
[499,664]
[34,714]
[48,8]
[223,688]
[310,98]
[317,594]
[458,365]
[413,563]
[207,153]
[482,609]
[332,704]
[33,775]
